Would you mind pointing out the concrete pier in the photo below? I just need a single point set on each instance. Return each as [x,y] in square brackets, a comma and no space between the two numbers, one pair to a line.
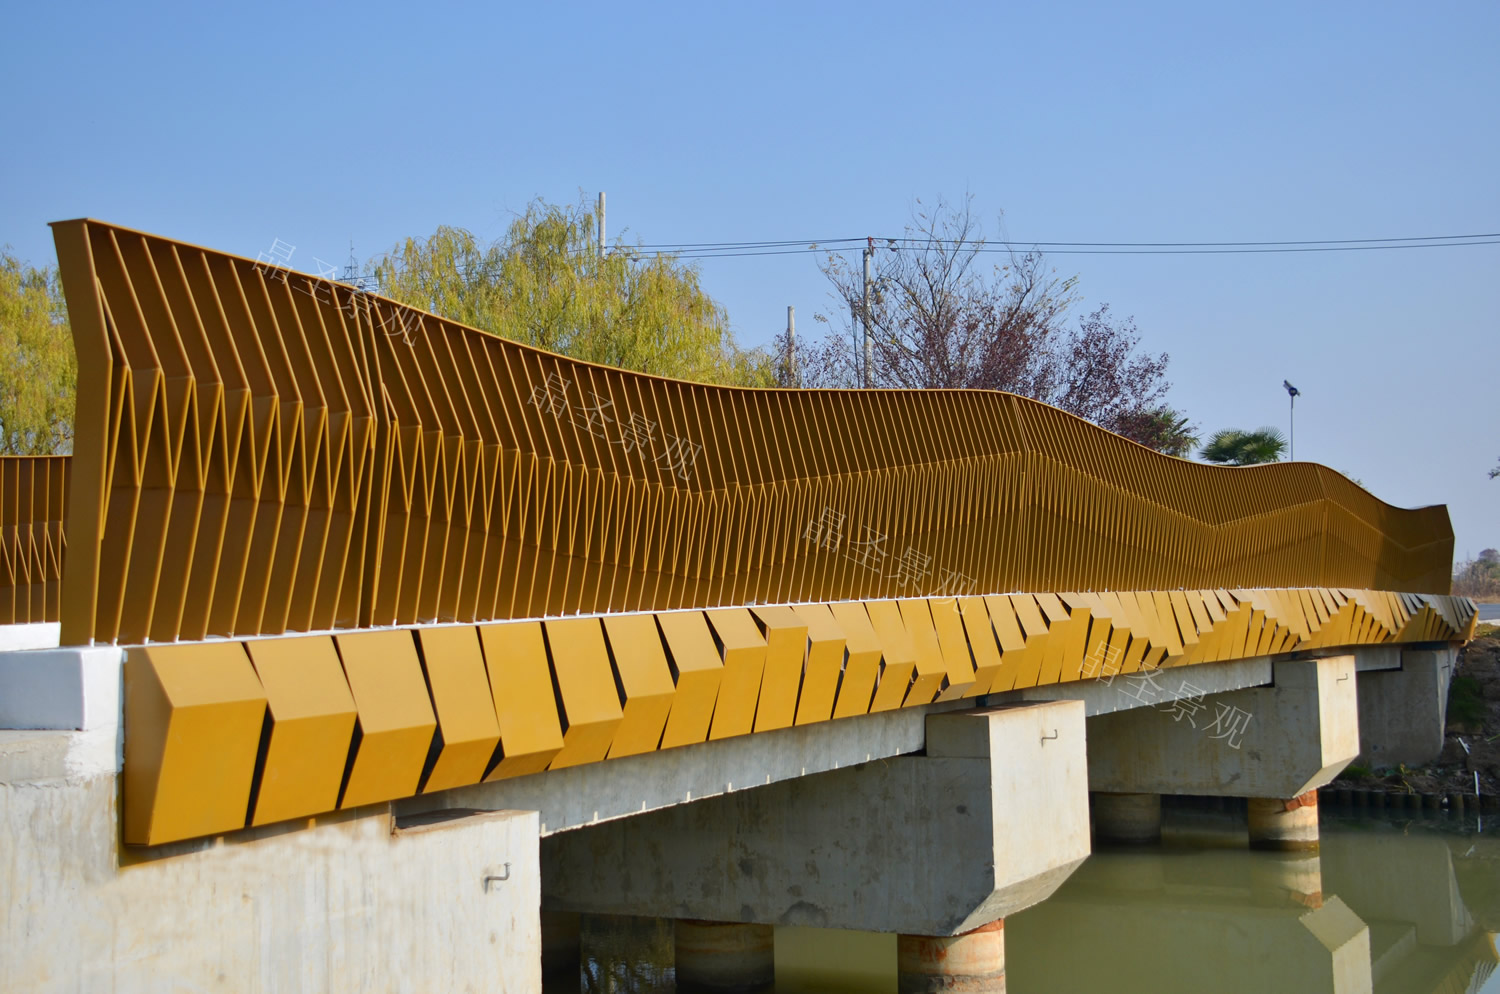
[989,821]
[724,957]
[1274,744]
[973,961]
[1285,824]
[1127,819]
[1403,704]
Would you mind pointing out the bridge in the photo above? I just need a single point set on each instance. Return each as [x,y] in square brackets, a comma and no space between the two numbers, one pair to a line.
[352,644]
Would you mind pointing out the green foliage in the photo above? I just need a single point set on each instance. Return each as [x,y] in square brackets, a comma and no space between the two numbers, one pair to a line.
[1356,772]
[1465,702]
[1245,448]
[38,369]
[1161,428]
[545,284]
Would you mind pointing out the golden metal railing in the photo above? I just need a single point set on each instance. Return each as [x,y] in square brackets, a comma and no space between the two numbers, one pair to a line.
[262,451]
[33,500]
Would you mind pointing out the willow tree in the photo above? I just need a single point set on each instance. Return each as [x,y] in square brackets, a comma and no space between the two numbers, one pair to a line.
[38,369]
[546,284]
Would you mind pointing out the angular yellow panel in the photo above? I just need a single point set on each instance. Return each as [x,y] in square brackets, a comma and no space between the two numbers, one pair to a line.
[586,685]
[645,680]
[898,670]
[825,660]
[1075,647]
[958,662]
[786,647]
[862,659]
[930,669]
[698,671]
[744,650]
[980,633]
[515,657]
[193,717]
[312,726]
[467,724]
[1012,642]
[396,723]
[1034,627]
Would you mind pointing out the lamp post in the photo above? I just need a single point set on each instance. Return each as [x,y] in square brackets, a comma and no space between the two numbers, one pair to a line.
[1292,393]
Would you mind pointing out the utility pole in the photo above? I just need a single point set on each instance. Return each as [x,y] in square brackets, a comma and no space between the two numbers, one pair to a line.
[599,217]
[1292,393]
[791,346]
[869,351]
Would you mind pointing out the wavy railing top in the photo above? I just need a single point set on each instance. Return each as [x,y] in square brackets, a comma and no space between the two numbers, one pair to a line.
[259,450]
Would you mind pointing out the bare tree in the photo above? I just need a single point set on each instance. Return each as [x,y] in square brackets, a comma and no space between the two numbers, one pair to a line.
[940,316]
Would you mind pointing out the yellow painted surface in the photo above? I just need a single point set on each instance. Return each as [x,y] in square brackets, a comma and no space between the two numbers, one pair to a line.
[953,643]
[744,655]
[862,660]
[586,684]
[395,715]
[193,716]
[898,653]
[465,711]
[698,669]
[916,615]
[520,676]
[646,679]
[825,660]
[980,634]
[786,647]
[312,715]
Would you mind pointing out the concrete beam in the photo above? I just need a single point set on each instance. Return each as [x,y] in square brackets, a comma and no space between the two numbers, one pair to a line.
[72,688]
[1279,741]
[347,903]
[1403,712]
[1128,692]
[597,792]
[991,820]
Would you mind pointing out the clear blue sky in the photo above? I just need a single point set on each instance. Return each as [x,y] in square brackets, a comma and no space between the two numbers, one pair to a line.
[233,125]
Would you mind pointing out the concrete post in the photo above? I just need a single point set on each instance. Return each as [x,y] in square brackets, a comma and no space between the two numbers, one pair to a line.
[973,961]
[1403,712]
[561,944]
[990,821]
[724,957]
[1289,824]
[1127,819]
[1277,742]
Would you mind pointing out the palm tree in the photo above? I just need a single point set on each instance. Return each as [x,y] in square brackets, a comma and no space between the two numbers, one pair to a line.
[1245,448]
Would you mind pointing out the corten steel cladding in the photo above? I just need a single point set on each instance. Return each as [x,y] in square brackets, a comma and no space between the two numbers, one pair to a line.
[33,499]
[351,708]
[261,451]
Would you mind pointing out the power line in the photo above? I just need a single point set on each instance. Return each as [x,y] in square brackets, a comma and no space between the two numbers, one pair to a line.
[818,243]
[1009,247]
[748,249]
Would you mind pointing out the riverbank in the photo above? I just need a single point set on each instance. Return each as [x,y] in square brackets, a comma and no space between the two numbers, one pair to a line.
[1472,742]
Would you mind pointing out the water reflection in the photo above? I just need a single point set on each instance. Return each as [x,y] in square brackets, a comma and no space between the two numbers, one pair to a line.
[1384,907]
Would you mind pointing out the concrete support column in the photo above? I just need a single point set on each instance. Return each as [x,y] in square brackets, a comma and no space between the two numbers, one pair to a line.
[1128,819]
[1284,824]
[973,961]
[561,944]
[724,957]
[1403,708]
[1278,741]
[991,820]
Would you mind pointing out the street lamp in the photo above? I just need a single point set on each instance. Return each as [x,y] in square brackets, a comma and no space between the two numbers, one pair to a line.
[1292,394]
